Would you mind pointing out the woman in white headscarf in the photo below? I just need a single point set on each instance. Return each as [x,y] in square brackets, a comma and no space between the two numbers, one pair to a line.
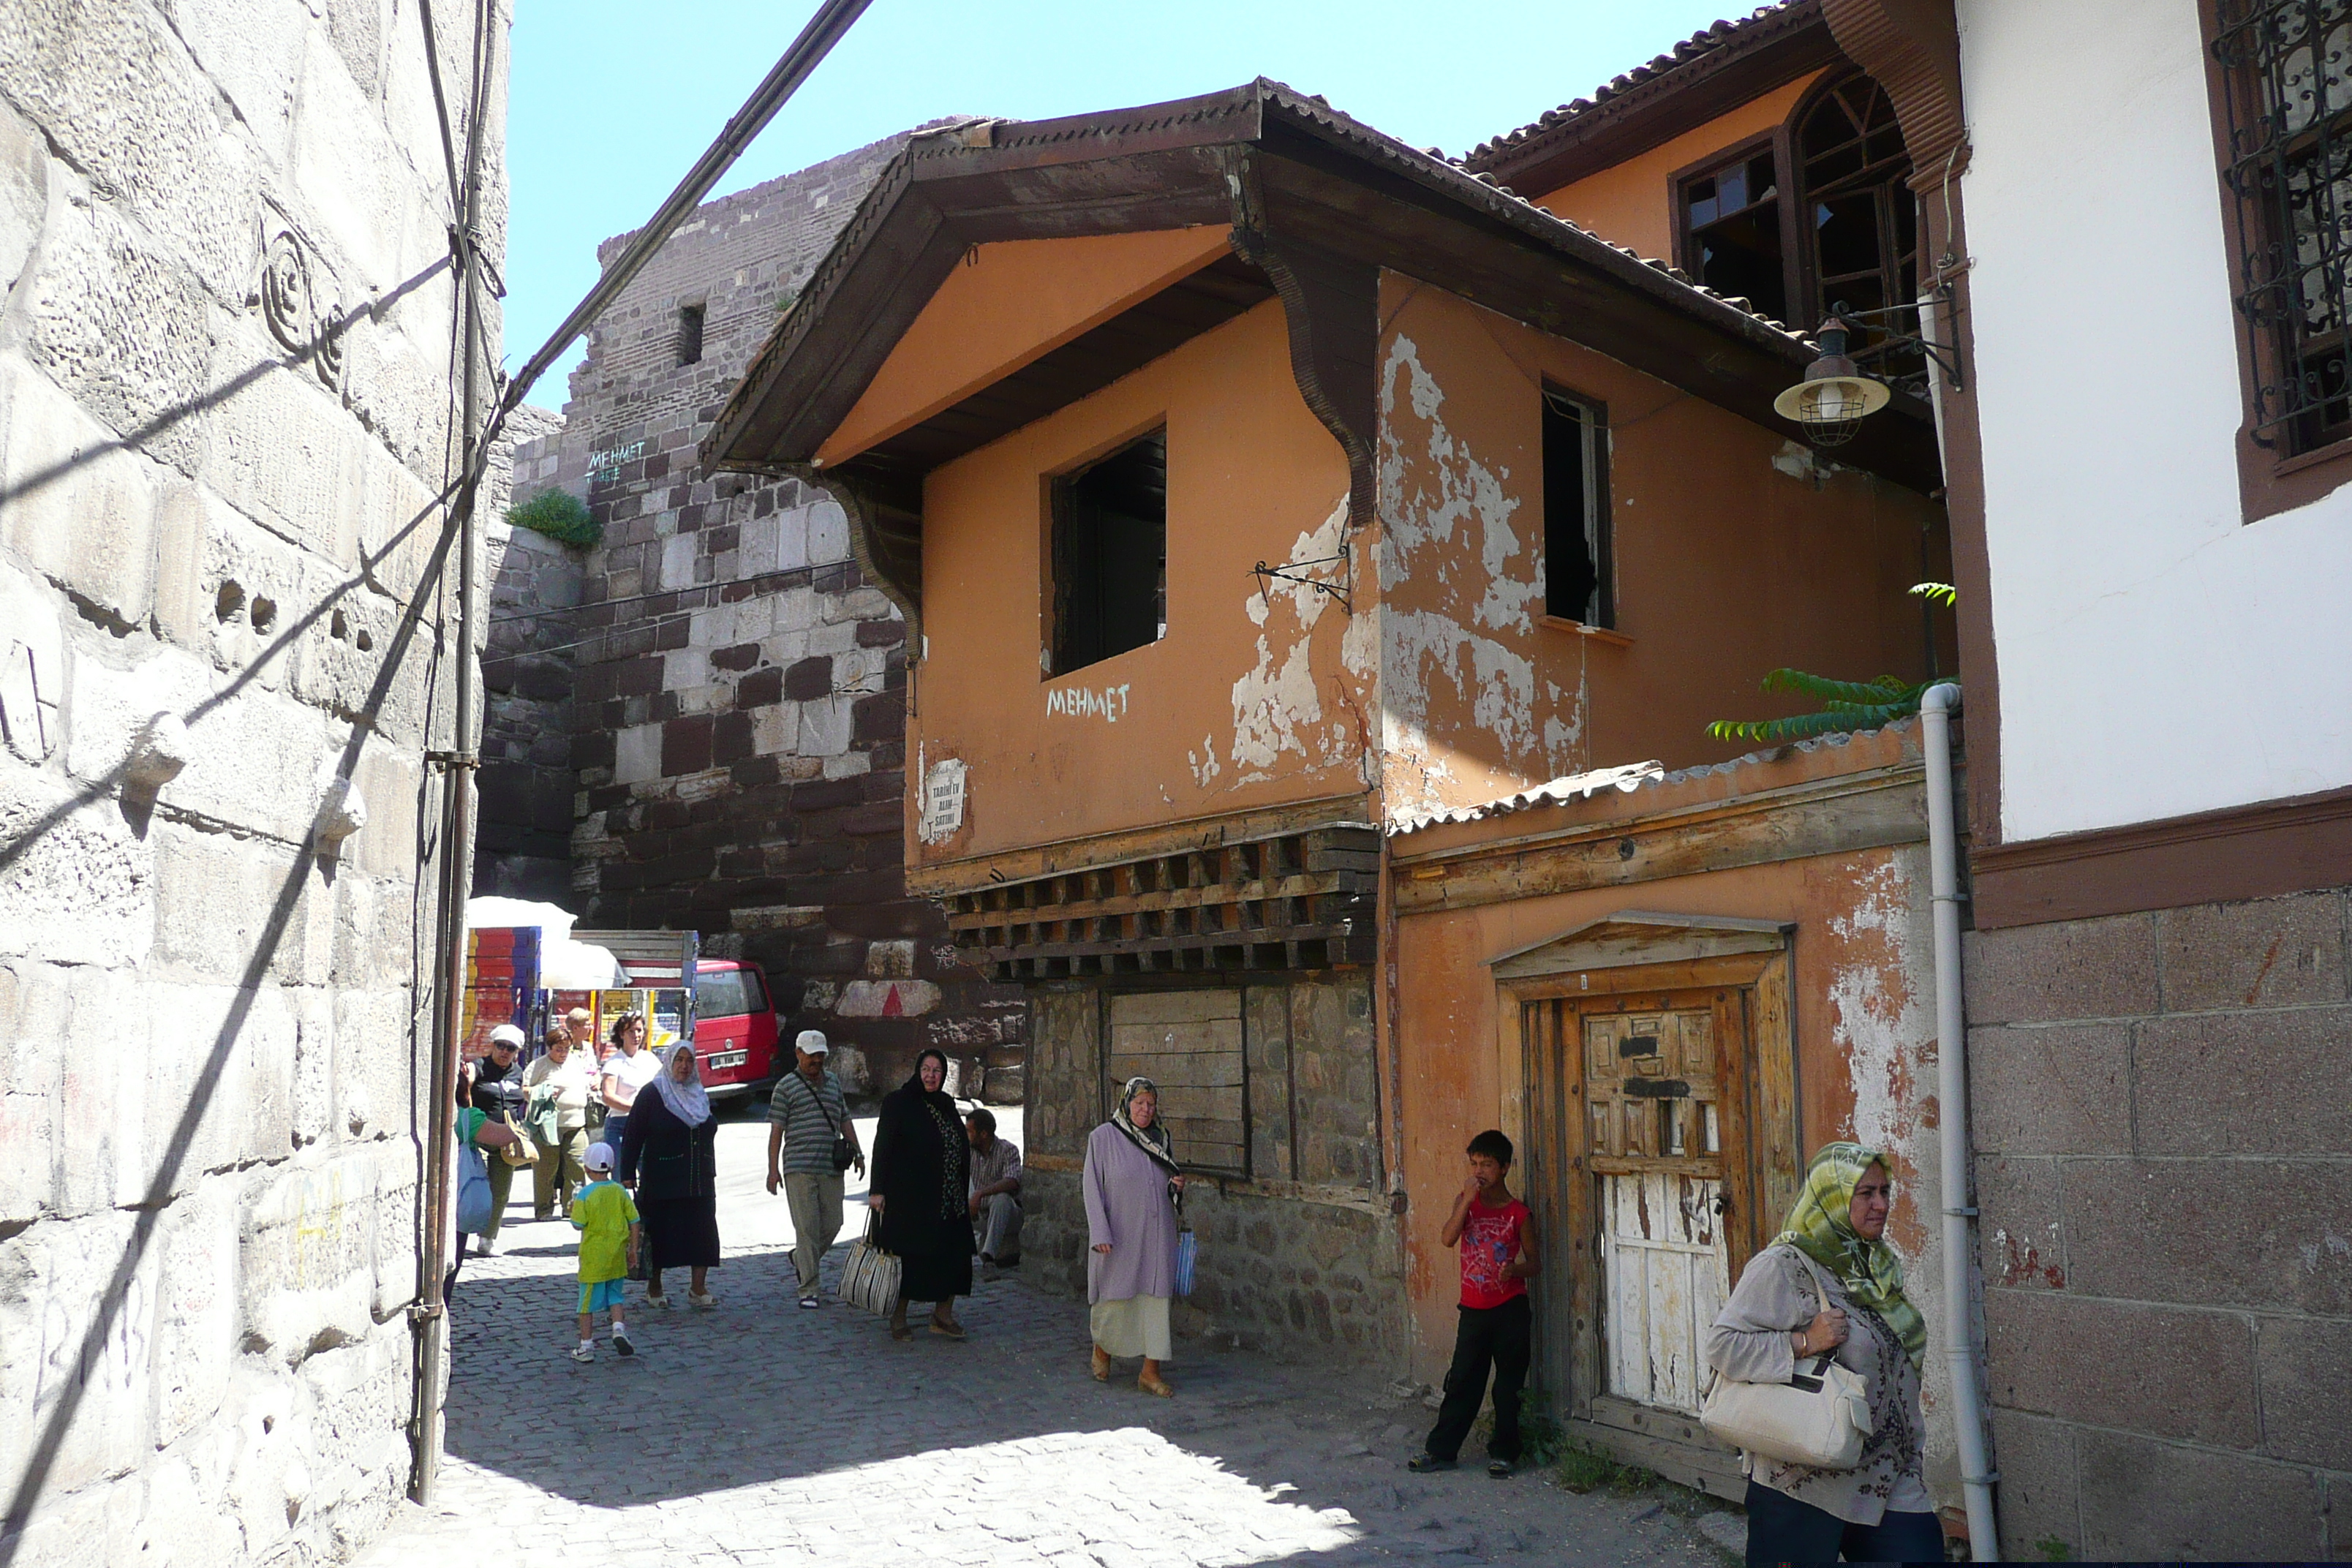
[670,1159]
[1132,1187]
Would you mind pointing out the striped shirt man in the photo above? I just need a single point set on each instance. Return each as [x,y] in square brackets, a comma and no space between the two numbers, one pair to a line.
[801,1108]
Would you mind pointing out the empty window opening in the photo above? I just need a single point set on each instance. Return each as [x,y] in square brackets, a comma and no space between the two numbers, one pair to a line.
[1111,555]
[1576,511]
[1733,214]
[1862,219]
[689,334]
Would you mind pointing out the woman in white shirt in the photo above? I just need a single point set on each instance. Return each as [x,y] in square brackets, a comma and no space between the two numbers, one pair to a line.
[560,1085]
[629,1068]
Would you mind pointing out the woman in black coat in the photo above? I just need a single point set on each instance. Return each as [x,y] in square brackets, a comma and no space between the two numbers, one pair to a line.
[670,1158]
[920,1170]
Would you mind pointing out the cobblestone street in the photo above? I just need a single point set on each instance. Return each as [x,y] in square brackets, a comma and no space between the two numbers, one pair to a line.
[759,1433]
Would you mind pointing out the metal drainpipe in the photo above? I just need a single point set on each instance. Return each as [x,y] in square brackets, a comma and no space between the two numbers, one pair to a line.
[1977,1475]
[458,797]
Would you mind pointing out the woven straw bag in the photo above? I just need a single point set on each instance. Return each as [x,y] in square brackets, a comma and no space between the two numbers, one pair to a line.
[869,1280]
[1818,1418]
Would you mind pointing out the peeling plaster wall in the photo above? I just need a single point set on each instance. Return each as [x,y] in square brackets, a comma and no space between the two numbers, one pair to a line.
[225,407]
[1258,695]
[1727,565]
[1862,987]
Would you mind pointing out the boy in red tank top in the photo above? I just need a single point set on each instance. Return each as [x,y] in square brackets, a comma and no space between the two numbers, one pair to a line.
[1497,1235]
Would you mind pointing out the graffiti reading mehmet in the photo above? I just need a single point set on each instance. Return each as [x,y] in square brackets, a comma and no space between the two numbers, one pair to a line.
[1109,704]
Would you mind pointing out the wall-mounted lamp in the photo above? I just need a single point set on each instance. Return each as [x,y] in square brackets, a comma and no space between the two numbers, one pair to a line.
[1837,395]
[1834,397]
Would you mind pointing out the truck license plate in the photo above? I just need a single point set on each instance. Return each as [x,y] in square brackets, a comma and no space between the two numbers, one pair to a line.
[721,1061]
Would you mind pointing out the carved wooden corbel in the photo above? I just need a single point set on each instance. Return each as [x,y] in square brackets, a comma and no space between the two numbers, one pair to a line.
[1912,48]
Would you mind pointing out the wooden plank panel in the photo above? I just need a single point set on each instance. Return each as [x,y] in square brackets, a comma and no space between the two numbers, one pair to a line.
[1181,1072]
[1146,1007]
[1672,1382]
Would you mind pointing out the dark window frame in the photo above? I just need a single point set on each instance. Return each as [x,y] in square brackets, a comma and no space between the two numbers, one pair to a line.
[1069,648]
[1601,517]
[2275,473]
[1800,259]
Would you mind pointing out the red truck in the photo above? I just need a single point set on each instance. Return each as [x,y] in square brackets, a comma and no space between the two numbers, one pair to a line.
[516,976]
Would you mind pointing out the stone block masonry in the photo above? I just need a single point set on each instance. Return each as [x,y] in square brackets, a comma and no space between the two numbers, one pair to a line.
[2165,1176]
[226,409]
[737,694]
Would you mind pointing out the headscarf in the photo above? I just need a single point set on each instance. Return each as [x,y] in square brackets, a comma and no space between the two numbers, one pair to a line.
[939,1110]
[688,1101]
[1820,1226]
[1151,1139]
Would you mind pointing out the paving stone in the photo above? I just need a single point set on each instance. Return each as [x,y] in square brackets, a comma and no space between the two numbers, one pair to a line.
[761,1433]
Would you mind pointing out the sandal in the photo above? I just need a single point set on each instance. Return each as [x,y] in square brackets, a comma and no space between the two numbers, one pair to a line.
[1150,1384]
[1501,1469]
[1429,1464]
[901,1333]
[946,1330]
[1102,1364]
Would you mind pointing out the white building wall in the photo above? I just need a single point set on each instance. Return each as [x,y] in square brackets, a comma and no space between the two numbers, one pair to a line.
[214,1026]
[2157,654]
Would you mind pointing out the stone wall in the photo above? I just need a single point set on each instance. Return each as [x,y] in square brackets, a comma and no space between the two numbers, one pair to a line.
[1301,1256]
[523,845]
[740,712]
[225,412]
[2165,1176]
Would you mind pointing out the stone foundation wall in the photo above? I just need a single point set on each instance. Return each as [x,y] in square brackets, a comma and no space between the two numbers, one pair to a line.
[224,407]
[2165,1176]
[1300,1255]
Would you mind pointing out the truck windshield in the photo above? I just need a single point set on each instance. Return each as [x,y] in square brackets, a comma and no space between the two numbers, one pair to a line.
[728,993]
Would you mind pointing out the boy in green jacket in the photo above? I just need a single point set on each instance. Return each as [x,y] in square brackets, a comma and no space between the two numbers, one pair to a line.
[606,1218]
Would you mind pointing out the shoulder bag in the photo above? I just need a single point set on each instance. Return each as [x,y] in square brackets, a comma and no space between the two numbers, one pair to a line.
[1818,1418]
[522,1153]
[869,1280]
[473,1191]
[845,1148]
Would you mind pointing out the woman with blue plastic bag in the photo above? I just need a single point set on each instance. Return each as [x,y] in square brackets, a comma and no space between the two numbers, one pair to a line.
[1133,1188]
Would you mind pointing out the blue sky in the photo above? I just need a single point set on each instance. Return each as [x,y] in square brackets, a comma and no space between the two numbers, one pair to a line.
[612,101]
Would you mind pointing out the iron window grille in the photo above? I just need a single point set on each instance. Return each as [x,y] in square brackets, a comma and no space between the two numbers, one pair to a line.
[2287,71]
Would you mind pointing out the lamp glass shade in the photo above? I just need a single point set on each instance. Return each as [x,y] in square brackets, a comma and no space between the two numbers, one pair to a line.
[1832,400]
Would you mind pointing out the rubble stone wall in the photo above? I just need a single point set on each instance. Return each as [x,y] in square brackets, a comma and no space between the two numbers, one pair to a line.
[226,410]
[522,847]
[1301,1256]
[739,716]
[2164,1177]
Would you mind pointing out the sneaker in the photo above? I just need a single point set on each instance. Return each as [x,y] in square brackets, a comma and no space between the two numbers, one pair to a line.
[486,1247]
[1427,1464]
[658,1303]
[810,1303]
[622,1343]
[586,1352]
[701,1300]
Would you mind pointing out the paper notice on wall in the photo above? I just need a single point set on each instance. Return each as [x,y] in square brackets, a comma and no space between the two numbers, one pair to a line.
[943,791]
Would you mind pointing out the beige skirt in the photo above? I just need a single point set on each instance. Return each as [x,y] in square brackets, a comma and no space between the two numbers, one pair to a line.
[1135,1326]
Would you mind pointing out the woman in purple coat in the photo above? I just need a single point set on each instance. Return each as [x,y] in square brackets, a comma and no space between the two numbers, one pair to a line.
[1132,1190]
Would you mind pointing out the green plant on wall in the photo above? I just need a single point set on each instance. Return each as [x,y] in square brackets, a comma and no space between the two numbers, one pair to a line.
[1844,705]
[559,514]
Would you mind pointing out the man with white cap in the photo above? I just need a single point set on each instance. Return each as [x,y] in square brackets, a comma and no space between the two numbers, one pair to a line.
[810,1143]
[495,1088]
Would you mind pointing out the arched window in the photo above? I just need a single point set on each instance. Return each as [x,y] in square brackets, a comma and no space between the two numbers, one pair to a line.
[1816,213]
[1862,230]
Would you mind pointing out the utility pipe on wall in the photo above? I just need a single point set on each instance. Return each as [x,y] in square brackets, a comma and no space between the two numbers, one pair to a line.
[1977,1475]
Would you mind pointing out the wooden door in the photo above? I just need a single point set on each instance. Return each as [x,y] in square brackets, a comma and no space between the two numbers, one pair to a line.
[1638,1119]
[1656,1136]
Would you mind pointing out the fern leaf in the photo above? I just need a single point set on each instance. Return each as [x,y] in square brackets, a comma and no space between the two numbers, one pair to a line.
[1943,593]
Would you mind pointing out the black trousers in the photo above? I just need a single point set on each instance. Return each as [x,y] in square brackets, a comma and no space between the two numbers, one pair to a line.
[1486,1337]
[1782,1530]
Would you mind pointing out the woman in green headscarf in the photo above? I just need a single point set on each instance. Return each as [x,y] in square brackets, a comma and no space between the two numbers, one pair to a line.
[1830,1286]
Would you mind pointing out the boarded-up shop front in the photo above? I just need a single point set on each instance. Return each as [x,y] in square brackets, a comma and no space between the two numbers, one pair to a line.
[1668,998]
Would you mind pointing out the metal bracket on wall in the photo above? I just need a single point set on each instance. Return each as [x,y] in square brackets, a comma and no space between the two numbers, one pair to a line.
[452,760]
[1295,571]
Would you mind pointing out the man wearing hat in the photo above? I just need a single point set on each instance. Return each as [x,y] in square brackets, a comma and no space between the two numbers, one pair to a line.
[810,1143]
[495,1089]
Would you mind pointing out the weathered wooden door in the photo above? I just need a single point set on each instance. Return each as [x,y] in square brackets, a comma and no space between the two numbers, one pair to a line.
[1657,1123]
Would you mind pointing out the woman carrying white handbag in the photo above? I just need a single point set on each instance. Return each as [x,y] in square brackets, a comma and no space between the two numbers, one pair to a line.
[1827,1294]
